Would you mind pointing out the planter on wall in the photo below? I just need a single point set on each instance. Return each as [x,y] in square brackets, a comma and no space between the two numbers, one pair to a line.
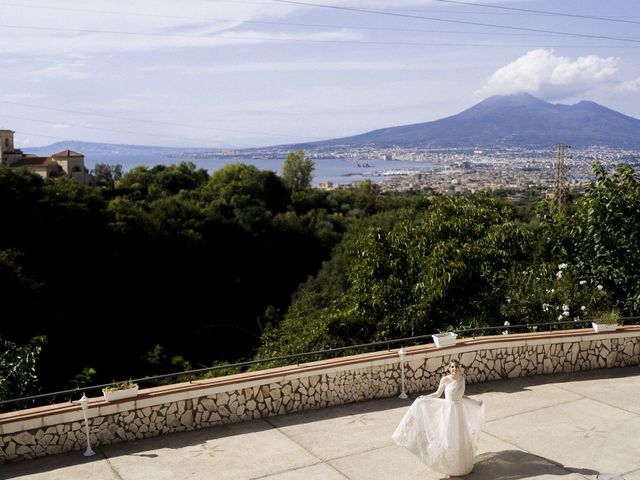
[444,339]
[604,327]
[113,395]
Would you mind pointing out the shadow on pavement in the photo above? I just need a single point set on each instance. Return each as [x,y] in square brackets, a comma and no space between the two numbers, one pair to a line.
[514,465]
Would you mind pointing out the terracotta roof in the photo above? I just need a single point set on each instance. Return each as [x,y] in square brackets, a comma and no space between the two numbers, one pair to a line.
[67,153]
[33,161]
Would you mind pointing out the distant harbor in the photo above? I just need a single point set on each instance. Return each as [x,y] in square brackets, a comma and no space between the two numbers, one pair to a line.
[451,170]
[334,170]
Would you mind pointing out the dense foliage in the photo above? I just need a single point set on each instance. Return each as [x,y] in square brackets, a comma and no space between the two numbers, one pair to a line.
[604,235]
[471,262]
[101,271]
[445,265]
[242,263]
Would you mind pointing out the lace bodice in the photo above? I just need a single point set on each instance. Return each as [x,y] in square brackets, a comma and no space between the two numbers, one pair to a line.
[452,388]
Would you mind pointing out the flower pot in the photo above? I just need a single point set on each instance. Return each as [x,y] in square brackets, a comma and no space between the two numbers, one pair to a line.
[444,339]
[604,327]
[112,396]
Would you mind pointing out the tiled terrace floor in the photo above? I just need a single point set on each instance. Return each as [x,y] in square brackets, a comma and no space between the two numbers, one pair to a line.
[564,427]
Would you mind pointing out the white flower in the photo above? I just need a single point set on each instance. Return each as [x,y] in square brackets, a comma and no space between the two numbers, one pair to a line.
[565,308]
[599,287]
[562,266]
[583,308]
[545,307]
[508,300]
[534,328]
[505,332]
[559,317]
[506,323]
[582,282]
[576,319]
[559,274]
[565,313]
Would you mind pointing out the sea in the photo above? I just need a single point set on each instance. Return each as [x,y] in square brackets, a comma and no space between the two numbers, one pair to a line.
[335,170]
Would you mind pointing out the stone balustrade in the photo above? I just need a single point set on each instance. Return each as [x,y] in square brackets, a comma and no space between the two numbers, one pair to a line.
[157,411]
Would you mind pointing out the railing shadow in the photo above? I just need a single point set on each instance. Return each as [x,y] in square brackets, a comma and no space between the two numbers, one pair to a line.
[515,465]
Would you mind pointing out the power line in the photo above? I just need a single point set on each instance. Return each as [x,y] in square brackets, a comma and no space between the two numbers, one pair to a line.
[314,40]
[263,22]
[463,22]
[233,2]
[307,25]
[268,2]
[159,122]
[542,12]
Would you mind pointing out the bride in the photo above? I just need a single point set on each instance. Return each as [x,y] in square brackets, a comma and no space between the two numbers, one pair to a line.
[443,433]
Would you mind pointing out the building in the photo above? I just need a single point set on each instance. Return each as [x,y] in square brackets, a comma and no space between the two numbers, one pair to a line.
[62,164]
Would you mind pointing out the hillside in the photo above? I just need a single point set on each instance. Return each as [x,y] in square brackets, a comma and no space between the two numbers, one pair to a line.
[512,120]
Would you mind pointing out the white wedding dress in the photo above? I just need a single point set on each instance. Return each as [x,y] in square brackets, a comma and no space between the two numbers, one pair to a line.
[443,432]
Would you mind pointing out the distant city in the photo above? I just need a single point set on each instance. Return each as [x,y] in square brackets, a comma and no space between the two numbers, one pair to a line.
[454,170]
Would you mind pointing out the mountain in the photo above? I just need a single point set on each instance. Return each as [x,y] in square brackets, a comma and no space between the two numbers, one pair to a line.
[511,120]
[518,120]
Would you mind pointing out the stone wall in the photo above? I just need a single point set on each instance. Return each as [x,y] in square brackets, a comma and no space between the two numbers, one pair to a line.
[208,403]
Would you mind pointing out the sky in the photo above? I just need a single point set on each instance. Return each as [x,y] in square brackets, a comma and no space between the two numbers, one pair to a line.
[250,73]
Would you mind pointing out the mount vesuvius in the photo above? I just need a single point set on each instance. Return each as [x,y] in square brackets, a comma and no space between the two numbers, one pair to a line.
[511,120]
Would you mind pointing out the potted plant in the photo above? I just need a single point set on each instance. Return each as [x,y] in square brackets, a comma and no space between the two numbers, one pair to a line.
[606,322]
[120,390]
[445,339]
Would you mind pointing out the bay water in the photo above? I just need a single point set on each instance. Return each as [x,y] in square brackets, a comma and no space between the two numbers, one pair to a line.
[335,170]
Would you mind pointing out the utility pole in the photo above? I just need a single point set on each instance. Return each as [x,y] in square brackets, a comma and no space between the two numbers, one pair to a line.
[559,182]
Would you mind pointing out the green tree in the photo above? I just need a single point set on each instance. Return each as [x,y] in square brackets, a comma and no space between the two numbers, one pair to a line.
[135,183]
[246,195]
[602,238]
[297,171]
[107,175]
[172,179]
[413,273]
[447,268]
[549,292]
[18,367]
[143,183]
[20,292]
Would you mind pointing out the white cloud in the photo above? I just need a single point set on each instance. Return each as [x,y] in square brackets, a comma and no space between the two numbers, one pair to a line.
[630,86]
[93,26]
[65,27]
[550,76]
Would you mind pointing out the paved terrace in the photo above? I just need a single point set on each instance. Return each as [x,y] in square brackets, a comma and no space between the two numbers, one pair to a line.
[565,426]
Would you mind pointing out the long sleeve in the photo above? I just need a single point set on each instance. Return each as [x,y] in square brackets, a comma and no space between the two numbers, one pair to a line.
[440,391]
